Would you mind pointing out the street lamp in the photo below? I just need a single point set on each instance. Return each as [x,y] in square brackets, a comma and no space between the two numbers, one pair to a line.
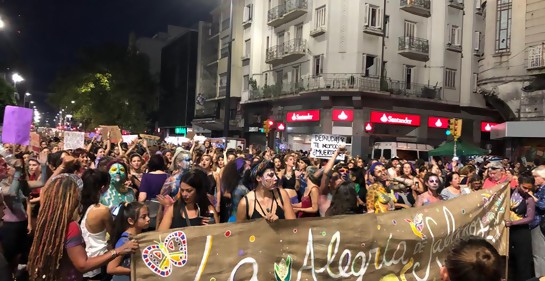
[2,23]
[16,79]
[73,102]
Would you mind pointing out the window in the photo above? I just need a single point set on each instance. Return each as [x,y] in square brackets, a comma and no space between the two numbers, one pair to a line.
[535,57]
[503,26]
[279,78]
[387,153]
[455,36]
[319,20]
[318,65]
[373,16]
[370,65]
[386,25]
[268,43]
[246,82]
[410,29]
[450,78]
[475,81]
[477,41]
[223,80]
[409,76]
[247,48]
[296,75]
[266,79]
[224,47]
[248,13]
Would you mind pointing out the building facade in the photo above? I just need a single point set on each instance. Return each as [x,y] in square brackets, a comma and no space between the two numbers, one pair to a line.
[329,66]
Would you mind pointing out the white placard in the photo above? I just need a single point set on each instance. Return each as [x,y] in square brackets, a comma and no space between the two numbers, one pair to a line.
[129,138]
[323,145]
[73,140]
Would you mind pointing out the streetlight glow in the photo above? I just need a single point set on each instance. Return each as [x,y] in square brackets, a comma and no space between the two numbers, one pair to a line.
[17,78]
[28,94]
[73,102]
[2,23]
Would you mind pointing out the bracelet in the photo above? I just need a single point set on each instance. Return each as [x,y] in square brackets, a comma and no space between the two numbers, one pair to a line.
[114,253]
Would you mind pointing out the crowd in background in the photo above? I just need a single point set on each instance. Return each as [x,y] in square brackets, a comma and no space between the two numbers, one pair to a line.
[72,215]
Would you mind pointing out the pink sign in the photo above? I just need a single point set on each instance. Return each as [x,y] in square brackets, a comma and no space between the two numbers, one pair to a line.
[438,122]
[345,115]
[395,118]
[16,127]
[303,116]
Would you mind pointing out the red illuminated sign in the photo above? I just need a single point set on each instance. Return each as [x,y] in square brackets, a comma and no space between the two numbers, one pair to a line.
[303,116]
[395,118]
[281,127]
[345,115]
[438,122]
[368,127]
[487,126]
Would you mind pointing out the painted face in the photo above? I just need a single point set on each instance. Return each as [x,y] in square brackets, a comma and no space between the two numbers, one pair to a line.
[381,173]
[117,173]
[269,179]
[433,183]
[188,193]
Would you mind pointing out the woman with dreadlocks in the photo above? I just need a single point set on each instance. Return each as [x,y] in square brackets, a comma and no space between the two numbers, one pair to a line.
[58,251]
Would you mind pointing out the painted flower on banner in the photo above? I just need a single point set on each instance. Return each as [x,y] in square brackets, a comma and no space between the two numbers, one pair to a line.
[417,225]
[282,270]
[160,257]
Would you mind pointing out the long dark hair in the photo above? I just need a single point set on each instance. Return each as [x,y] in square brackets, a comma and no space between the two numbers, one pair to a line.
[198,179]
[93,181]
[344,201]
[231,174]
[121,223]
[473,259]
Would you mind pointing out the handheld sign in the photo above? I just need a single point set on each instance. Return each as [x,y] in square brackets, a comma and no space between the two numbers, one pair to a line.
[323,145]
[17,123]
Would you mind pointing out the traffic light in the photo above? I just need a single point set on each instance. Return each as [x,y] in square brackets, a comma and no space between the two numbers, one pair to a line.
[267,125]
[455,128]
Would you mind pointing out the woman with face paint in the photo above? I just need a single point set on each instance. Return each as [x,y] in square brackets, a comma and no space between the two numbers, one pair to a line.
[267,201]
[118,191]
[432,184]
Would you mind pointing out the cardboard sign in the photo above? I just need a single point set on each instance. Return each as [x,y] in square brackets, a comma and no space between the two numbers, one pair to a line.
[35,141]
[410,244]
[73,140]
[151,139]
[114,131]
[323,145]
[17,123]
[129,138]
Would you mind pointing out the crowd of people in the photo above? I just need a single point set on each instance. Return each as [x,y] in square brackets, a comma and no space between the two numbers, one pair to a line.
[73,215]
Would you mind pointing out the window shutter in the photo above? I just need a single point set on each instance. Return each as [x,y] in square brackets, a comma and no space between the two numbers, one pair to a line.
[449,28]
[477,41]
[458,36]
[245,16]
[250,11]
[380,16]
[366,15]
[321,64]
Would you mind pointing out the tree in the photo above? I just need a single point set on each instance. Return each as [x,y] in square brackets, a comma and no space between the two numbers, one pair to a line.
[109,86]
[6,95]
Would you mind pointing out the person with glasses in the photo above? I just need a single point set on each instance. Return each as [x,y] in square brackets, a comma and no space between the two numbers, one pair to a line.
[431,195]
[496,175]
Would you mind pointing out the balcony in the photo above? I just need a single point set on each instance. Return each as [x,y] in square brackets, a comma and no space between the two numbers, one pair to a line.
[373,30]
[286,52]
[535,58]
[417,7]
[454,47]
[414,48]
[342,81]
[456,4]
[290,10]
[317,31]
[276,91]
[412,90]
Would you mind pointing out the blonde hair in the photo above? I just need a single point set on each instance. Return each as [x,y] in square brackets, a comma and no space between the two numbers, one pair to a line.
[539,171]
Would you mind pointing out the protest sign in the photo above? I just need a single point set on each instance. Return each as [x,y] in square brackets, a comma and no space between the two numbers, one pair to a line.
[73,140]
[129,138]
[16,127]
[323,145]
[35,141]
[410,244]
[151,139]
[114,131]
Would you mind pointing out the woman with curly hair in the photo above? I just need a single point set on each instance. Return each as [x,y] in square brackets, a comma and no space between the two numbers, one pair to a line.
[58,250]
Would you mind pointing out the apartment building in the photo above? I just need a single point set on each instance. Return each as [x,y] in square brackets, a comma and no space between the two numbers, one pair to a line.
[328,66]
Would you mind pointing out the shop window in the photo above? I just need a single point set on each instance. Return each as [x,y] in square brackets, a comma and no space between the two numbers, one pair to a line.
[377,153]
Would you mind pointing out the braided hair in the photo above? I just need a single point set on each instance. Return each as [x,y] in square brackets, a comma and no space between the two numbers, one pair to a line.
[59,205]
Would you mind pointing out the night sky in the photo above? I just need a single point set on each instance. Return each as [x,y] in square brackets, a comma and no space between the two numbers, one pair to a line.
[42,37]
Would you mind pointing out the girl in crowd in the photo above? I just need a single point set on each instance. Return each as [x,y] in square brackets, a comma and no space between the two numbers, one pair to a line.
[131,219]
[96,219]
[344,201]
[453,190]
[153,180]
[267,200]
[432,184]
[309,202]
[213,186]
[58,251]
[219,164]
[406,186]
[472,259]
[290,178]
[193,207]
[135,170]
[233,189]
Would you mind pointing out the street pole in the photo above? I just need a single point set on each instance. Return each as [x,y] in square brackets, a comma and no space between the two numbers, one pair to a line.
[227,104]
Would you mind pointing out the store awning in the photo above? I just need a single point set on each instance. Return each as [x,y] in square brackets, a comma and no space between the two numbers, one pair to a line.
[518,129]
[462,149]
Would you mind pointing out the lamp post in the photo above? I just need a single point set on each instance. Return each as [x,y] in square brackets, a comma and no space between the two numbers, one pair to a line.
[2,23]
[27,96]
[16,79]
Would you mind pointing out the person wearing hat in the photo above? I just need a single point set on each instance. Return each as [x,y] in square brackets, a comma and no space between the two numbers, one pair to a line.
[496,175]
[394,164]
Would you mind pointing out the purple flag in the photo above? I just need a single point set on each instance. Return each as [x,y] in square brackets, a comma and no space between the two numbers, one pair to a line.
[16,128]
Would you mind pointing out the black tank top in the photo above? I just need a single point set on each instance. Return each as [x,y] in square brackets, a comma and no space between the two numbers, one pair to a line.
[256,215]
[212,184]
[178,219]
[288,183]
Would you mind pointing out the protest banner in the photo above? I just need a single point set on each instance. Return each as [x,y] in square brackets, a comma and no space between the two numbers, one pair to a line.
[409,244]
[16,126]
[114,131]
[35,141]
[323,145]
[73,140]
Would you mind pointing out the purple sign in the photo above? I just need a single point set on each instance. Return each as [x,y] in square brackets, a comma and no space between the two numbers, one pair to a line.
[16,128]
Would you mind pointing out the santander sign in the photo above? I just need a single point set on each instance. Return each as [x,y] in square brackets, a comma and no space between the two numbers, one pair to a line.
[344,115]
[438,122]
[395,118]
[303,116]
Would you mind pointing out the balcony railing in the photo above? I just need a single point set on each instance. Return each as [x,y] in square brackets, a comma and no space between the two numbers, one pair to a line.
[347,82]
[290,10]
[402,88]
[535,57]
[417,7]
[414,48]
[287,51]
